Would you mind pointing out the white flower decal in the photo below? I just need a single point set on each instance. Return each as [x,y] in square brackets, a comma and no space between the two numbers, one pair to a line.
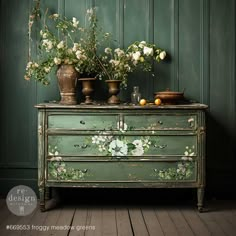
[118,148]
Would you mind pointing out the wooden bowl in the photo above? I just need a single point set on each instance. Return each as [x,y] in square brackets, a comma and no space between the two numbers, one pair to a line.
[169,97]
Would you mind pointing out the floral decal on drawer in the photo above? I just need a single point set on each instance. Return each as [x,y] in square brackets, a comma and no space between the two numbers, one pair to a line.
[183,170]
[118,145]
[58,169]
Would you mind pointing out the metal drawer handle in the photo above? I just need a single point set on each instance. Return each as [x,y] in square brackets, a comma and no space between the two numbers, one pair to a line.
[160,122]
[82,122]
[81,146]
[160,146]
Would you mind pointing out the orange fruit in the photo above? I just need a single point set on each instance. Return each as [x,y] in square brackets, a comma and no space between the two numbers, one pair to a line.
[157,101]
[142,102]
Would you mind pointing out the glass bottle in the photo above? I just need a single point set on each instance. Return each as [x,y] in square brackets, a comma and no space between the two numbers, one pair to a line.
[135,95]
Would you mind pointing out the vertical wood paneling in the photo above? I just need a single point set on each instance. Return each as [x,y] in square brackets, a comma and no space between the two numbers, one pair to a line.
[51,92]
[175,77]
[18,140]
[221,121]
[138,26]
[204,51]
[189,45]
[164,37]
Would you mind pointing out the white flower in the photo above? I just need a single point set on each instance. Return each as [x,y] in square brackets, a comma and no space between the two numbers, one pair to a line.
[55,15]
[181,168]
[186,153]
[184,158]
[47,69]
[75,47]
[142,44]
[57,61]
[58,158]
[114,62]
[118,148]
[138,151]
[47,44]
[107,50]
[60,45]
[138,143]
[95,139]
[191,119]
[75,22]
[162,55]
[43,34]
[148,51]
[136,56]
[79,54]
[119,52]
[146,143]
[90,11]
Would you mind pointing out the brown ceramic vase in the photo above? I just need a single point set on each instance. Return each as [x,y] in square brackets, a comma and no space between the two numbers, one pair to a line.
[67,79]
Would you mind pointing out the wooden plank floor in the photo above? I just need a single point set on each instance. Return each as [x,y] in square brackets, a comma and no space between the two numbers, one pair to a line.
[140,220]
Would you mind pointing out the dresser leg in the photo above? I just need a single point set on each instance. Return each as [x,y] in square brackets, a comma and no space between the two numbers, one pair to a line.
[200,198]
[47,193]
[42,199]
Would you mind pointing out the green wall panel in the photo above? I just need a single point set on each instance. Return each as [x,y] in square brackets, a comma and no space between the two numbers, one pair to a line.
[222,117]
[164,36]
[199,37]
[18,123]
[189,47]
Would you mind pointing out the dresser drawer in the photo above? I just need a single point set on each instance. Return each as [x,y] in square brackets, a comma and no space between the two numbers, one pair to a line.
[126,171]
[83,121]
[160,121]
[122,146]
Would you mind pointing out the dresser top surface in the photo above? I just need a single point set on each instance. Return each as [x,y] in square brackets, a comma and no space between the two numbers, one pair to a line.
[124,106]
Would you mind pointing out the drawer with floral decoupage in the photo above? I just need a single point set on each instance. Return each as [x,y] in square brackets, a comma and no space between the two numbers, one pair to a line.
[107,145]
[121,172]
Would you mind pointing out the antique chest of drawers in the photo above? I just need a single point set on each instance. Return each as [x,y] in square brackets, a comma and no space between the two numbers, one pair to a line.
[121,146]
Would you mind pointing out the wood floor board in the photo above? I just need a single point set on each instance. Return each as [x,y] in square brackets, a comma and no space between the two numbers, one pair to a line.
[137,221]
[166,222]
[152,223]
[181,224]
[78,226]
[109,221]
[211,224]
[195,222]
[225,225]
[94,219]
[123,222]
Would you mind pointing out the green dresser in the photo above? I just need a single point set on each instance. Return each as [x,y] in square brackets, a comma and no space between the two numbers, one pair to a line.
[121,146]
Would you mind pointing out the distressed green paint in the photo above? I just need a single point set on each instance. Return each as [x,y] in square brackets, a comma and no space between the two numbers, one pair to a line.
[116,171]
[83,122]
[135,153]
[87,145]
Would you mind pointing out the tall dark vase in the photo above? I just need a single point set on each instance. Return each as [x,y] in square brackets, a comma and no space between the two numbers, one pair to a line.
[87,89]
[113,89]
[67,79]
